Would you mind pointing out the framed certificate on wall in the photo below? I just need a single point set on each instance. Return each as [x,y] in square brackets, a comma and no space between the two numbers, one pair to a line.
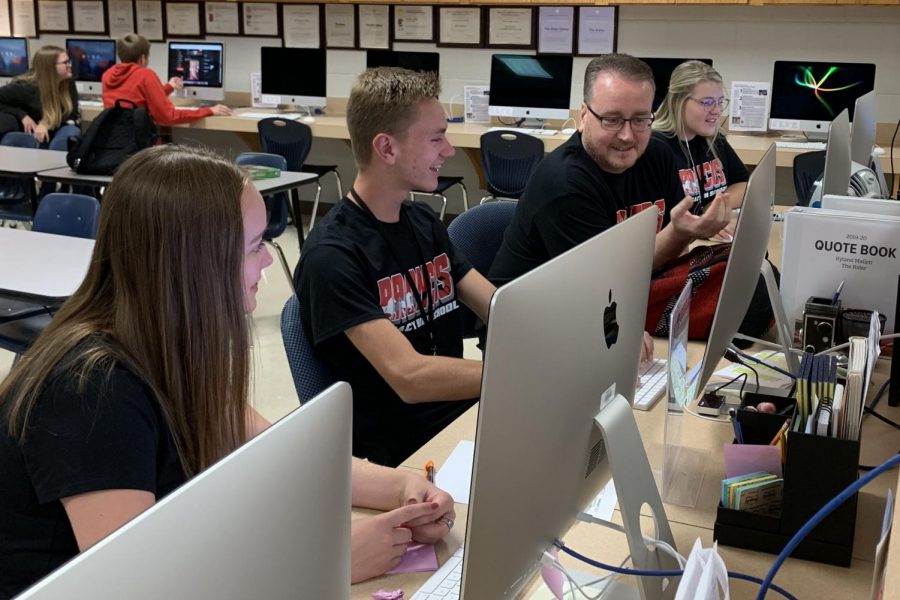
[340,26]
[510,27]
[221,18]
[302,25]
[89,16]
[150,19]
[460,27]
[184,19]
[53,16]
[413,23]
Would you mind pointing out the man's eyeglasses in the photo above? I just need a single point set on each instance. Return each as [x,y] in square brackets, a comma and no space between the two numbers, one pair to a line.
[67,62]
[710,103]
[638,124]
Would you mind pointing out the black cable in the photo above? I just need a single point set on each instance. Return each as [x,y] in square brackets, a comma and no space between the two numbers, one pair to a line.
[730,381]
[882,418]
[893,172]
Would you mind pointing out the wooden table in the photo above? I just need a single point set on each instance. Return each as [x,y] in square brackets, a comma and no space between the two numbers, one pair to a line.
[467,136]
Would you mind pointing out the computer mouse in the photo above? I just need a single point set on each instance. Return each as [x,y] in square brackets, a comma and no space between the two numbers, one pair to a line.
[308,119]
[567,131]
[878,150]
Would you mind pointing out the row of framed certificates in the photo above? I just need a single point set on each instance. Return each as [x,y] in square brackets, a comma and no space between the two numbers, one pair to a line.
[583,30]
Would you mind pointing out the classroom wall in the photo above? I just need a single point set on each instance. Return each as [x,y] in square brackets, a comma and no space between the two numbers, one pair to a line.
[743,42]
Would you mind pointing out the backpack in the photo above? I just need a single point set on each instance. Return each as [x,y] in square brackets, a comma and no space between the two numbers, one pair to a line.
[705,266]
[116,133]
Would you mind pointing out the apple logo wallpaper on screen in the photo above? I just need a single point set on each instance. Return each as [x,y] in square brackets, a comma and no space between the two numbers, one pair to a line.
[610,325]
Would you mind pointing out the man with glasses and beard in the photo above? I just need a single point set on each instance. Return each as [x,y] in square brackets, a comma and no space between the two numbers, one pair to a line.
[607,171]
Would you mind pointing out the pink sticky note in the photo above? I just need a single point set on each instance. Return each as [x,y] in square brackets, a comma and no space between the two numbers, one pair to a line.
[742,459]
[418,558]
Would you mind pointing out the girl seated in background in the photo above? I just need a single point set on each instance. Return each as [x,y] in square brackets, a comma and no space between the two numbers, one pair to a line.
[688,120]
[43,101]
[141,381]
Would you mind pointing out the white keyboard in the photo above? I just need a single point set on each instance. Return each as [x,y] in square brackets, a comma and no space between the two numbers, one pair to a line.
[444,584]
[526,130]
[249,114]
[800,145]
[652,384]
[90,103]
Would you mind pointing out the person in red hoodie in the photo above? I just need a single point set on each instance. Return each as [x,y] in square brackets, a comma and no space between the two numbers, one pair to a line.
[132,80]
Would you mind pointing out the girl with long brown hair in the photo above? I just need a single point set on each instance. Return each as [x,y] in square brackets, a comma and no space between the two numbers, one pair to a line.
[44,99]
[141,380]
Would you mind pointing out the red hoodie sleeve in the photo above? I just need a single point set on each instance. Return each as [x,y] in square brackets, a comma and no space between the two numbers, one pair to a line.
[161,109]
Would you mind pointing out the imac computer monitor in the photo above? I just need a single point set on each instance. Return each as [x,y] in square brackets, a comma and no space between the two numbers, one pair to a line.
[90,59]
[862,134]
[13,57]
[270,520]
[748,250]
[557,344]
[662,72]
[296,75]
[414,61]
[836,178]
[530,87]
[807,96]
[201,65]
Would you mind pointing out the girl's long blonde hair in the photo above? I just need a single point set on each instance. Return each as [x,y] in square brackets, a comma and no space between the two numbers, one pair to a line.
[163,296]
[56,102]
[670,116]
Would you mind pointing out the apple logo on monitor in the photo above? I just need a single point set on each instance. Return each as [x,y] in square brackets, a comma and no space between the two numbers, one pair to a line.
[610,324]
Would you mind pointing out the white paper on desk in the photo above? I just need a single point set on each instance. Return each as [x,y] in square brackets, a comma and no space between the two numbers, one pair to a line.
[881,549]
[256,96]
[749,108]
[476,99]
[767,377]
[604,505]
[455,476]
[874,351]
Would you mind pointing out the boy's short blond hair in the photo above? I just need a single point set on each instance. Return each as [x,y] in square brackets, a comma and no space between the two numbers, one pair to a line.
[385,100]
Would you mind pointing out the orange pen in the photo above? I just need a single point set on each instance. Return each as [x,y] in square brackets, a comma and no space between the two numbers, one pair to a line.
[429,471]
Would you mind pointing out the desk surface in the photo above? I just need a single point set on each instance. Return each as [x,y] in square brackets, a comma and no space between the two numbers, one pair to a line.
[750,148]
[47,266]
[803,578]
[285,181]
[27,161]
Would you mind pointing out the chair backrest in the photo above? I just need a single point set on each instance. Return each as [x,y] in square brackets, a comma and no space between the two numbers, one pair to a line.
[309,374]
[277,205]
[508,159]
[808,167]
[287,138]
[478,234]
[19,139]
[75,215]
[16,190]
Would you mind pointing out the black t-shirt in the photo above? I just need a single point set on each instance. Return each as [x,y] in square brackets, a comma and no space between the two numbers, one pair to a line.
[110,434]
[569,200]
[351,271]
[702,174]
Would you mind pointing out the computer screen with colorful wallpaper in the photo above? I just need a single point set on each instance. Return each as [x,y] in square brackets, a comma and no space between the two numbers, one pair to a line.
[13,56]
[807,96]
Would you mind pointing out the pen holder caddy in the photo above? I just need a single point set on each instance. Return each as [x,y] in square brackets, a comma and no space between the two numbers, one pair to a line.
[816,469]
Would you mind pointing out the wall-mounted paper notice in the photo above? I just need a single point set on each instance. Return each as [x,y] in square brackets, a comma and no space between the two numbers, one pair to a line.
[749,106]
